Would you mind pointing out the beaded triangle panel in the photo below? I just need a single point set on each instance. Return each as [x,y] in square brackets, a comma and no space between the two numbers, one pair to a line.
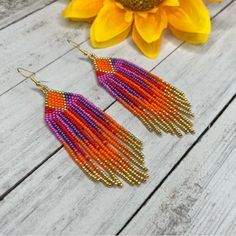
[103,149]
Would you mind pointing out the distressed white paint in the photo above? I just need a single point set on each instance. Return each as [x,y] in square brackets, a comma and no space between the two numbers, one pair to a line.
[36,41]
[199,196]
[68,73]
[12,11]
[59,199]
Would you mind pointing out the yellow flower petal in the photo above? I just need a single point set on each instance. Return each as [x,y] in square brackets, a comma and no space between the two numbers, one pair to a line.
[82,9]
[191,16]
[110,42]
[170,3]
[149,49]
[150,27]
[194,38]
[111,21]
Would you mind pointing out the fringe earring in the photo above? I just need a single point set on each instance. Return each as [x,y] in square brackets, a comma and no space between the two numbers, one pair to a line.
[102,148]
[158,105]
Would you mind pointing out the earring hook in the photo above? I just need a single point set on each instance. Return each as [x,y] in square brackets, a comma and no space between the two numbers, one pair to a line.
[31,75]
[86,53]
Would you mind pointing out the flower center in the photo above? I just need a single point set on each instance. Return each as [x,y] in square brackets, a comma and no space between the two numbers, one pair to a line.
[139,5]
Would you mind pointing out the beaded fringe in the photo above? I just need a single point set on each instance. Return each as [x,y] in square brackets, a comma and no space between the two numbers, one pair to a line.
[102,148]
[159,105]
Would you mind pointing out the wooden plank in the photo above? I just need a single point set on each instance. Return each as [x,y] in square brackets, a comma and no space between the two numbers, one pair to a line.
[199,196]
[59,199]
[36,41]
[22,43]
[12,11]
[67,73]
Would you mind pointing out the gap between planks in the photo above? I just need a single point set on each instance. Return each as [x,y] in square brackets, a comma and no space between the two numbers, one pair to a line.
[6,21]
[11,219]
[203,185]
[106,108]
[87,39]
[177,163]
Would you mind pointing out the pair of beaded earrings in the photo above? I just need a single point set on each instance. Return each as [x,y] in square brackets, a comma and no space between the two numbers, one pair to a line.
[102,148]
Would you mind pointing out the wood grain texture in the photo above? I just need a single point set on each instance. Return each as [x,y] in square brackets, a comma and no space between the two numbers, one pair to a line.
[199,196]
[39,39]
[68,73]
[59,199]
[36,41]
[12,11]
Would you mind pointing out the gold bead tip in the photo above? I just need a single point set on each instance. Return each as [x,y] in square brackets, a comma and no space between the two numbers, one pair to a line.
[192,131]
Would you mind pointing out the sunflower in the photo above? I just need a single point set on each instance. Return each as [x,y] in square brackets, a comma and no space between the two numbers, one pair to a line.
[113,20]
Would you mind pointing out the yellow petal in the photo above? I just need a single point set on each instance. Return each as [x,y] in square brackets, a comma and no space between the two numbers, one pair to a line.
[109,42]
[111,21]
[194,38]
[149,49]
[150,27]
[191,16]
[170,3]
[82,9]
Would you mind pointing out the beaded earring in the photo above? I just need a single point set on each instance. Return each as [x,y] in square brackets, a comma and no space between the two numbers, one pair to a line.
[102,148]
[159,105]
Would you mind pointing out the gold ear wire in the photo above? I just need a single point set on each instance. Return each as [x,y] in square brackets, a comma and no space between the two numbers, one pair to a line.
[31,75]
[86,53]
[23,72]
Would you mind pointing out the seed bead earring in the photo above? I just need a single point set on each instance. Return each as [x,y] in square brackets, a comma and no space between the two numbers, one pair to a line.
[102,148]
[159,105]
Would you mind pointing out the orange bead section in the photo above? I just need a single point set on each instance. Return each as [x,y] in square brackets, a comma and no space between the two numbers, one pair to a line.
[55,99]
[103,64]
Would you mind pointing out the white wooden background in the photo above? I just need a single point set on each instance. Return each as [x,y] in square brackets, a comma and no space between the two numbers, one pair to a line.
[192,185]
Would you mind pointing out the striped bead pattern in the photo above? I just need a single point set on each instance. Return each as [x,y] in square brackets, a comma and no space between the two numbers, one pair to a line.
[159,105]
[103,149]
